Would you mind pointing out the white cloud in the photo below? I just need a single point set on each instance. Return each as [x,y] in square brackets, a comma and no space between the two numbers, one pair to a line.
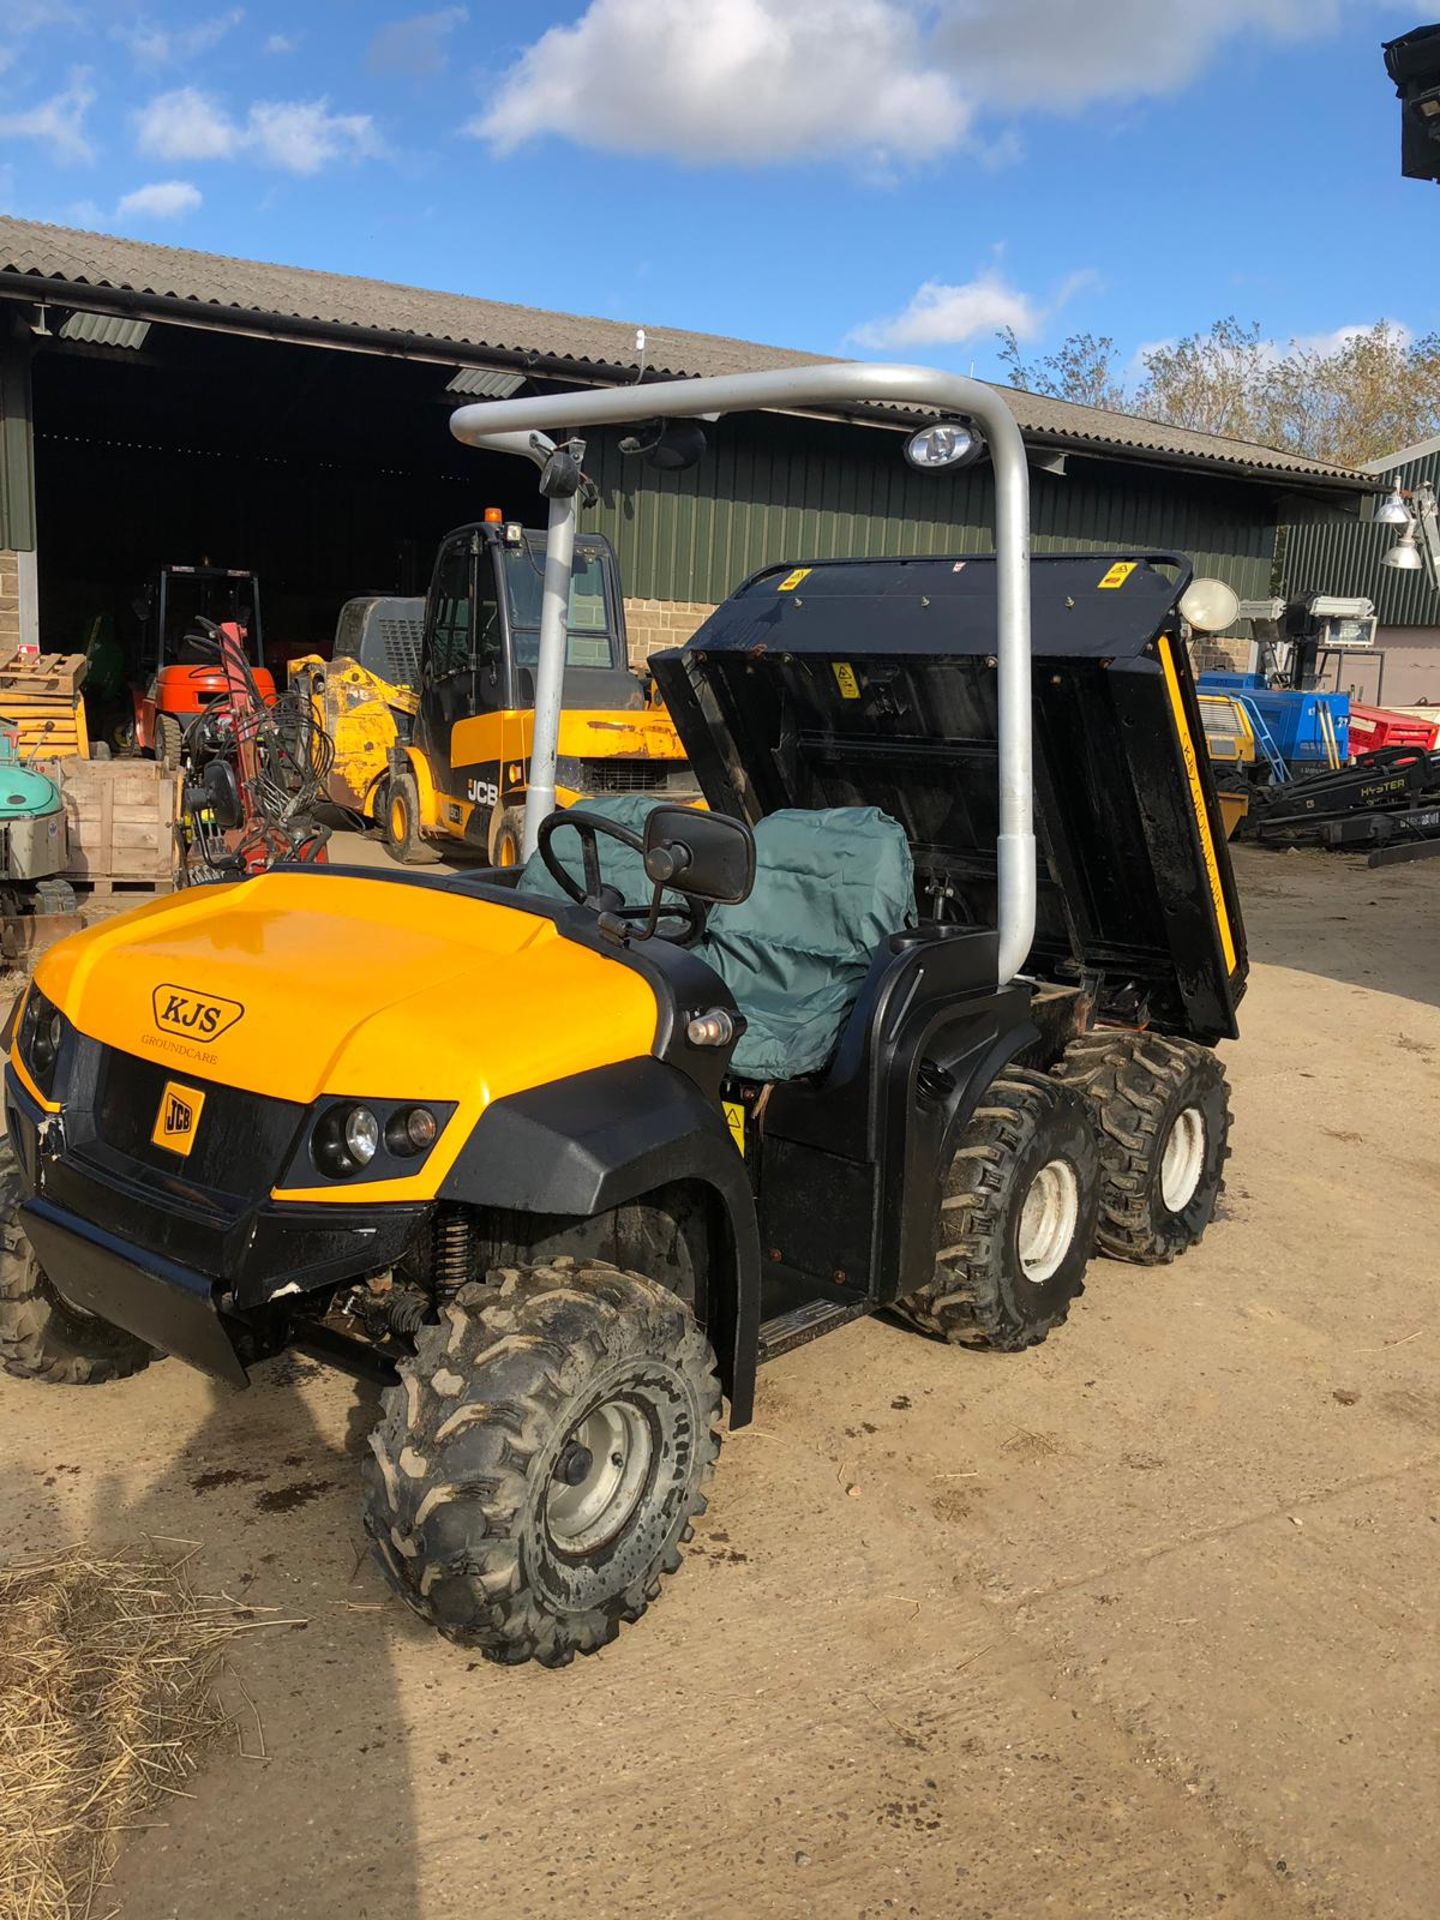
[418,47]
[297,136]
[155,45]
[186,124]
[761,81]
[281,43]
[941,315]
[57,123]
[740,80]
[302,136]
[161,200]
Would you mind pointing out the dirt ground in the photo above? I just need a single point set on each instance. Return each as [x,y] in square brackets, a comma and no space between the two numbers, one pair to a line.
[1142,1624]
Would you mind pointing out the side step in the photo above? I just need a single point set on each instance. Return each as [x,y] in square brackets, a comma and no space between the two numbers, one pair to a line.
[806,1323]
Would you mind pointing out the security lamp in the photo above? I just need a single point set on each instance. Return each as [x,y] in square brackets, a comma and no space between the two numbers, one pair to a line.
[1405,555]
[1209,606]
[1394,512]
[951,443]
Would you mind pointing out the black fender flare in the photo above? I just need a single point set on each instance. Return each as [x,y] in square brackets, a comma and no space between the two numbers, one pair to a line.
[594,1141]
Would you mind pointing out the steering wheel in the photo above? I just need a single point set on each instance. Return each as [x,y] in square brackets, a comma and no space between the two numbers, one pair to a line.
[596,894]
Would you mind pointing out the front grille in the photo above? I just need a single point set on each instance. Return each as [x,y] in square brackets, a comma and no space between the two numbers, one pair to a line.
[242,1141]
[637,776]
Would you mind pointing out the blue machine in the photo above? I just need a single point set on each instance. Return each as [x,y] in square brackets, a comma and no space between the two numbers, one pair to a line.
[1309,729]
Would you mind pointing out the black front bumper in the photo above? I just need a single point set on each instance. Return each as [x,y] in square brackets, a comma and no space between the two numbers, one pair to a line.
[167,1306]
[215,1285]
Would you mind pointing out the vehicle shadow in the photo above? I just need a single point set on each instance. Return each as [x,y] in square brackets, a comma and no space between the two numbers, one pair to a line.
[308,1810]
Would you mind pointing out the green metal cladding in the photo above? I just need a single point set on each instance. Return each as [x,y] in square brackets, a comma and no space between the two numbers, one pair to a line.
[776,488]
[1343,556]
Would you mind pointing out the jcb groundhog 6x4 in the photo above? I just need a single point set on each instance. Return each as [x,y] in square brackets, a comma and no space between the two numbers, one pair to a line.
[563,1153]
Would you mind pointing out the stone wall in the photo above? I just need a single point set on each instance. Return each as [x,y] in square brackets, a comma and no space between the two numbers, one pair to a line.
[1222,655]
[653,624]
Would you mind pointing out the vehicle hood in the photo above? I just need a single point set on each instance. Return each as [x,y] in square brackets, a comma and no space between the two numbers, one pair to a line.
[312,982]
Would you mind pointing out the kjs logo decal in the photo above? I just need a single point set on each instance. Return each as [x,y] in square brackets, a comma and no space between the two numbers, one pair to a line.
[194,1016]
[178,1117]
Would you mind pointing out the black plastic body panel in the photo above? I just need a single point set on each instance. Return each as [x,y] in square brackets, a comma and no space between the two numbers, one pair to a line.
[593,1142]
[851,1162]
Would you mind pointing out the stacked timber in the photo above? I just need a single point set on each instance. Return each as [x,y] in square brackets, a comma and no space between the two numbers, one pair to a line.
[41,703]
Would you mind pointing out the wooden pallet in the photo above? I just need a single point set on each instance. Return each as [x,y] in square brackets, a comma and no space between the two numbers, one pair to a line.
[52,675]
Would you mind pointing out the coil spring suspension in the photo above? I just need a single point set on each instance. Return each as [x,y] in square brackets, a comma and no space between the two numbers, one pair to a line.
[453,1258]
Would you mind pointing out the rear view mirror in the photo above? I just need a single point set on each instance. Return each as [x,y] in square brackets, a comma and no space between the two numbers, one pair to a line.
[707,855]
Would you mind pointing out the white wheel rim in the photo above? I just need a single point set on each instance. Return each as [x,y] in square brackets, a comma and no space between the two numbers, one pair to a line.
[586,1515]
[1047,1220]
[1183,1160]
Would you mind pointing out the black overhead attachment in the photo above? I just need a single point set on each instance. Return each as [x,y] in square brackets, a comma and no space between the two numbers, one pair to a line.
[1413,63]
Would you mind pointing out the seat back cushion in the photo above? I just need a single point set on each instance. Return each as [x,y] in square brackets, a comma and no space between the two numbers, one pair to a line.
[830,886]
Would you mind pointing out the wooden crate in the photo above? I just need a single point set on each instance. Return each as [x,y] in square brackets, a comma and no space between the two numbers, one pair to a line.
[121,820]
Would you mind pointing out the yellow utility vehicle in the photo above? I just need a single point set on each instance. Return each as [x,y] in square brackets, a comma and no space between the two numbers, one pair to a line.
[447,756]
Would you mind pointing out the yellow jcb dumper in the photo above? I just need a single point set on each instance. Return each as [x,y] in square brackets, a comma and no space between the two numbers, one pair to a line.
[447,755]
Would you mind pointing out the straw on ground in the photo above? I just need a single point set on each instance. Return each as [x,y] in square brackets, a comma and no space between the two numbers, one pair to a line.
[108,1695]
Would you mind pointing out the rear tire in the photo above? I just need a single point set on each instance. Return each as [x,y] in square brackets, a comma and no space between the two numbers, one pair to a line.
[1017,1218]
[400,818]
[41,1337]
[1162,1118]
[538,1465]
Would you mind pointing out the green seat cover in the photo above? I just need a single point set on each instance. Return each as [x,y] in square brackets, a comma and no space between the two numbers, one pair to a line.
[830,886]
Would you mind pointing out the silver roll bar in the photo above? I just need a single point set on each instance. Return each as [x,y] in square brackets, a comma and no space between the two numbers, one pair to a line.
[492,424]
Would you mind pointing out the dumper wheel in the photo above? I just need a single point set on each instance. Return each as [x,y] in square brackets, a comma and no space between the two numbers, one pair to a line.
[169,742]
[507,837]
[400,817]
[1017,1218]
[537,1466]
[42,1337]
[1162,1118]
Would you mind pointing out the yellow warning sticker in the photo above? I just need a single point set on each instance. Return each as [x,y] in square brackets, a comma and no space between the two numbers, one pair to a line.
[1119,573]
[792,580]
[735,1120]
[845,679]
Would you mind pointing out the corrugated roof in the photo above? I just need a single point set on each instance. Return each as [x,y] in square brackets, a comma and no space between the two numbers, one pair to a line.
[340,302]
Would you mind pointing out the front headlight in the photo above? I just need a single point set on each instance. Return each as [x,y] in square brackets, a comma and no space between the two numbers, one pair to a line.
[42,1029]
[378,1139]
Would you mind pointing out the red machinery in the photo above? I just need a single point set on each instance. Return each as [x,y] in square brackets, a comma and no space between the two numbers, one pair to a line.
[182,607]
[1375,727]
[258,767]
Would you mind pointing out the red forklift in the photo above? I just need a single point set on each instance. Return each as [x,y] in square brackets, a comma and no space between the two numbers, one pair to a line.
[179,652]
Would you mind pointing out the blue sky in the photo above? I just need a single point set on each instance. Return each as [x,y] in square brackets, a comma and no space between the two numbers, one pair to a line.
[877,176]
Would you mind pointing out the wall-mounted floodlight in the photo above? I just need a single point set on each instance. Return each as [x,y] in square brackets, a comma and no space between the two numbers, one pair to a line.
[1209,606]
[1393,512]
[1404,556]
[951,443]
[1418,548]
